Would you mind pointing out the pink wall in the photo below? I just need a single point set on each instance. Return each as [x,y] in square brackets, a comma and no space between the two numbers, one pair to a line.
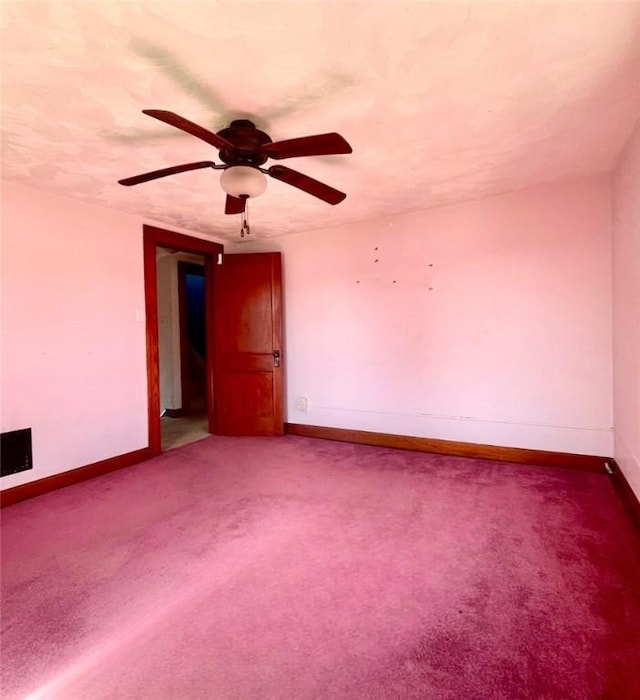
[626,311]
[73,333]
[485,322]
[510,346]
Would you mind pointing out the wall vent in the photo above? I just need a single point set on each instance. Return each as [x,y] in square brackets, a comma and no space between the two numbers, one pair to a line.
[15,451]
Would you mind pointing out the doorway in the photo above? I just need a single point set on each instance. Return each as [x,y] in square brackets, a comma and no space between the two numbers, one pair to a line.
[182,347]
[243,335]
[155,240]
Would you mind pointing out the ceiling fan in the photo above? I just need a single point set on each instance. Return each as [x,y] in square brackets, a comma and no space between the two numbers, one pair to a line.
[243,150]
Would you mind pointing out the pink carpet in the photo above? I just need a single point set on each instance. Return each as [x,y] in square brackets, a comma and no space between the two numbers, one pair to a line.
[293,568]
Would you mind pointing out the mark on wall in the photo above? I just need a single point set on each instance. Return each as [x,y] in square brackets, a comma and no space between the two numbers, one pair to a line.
[425,283]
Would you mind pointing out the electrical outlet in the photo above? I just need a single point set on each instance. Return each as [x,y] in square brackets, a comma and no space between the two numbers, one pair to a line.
[302,403]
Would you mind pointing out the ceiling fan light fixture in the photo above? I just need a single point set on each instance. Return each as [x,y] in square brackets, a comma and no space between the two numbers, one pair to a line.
[243,181]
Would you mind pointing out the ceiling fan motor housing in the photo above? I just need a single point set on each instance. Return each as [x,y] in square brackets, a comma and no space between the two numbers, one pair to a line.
[247,143]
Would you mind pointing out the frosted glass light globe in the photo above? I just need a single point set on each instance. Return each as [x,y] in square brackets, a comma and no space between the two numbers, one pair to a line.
[243,181]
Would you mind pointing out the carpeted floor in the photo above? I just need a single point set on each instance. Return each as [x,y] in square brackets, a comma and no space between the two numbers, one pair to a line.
[292,568]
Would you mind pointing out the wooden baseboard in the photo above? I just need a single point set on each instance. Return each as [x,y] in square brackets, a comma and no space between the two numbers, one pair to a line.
[626,493]
[459,449]
[57,481]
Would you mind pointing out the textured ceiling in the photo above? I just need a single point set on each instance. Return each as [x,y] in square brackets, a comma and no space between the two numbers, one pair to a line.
[442,102]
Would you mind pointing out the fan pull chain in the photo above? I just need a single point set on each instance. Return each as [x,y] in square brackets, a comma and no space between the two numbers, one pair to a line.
[245,229]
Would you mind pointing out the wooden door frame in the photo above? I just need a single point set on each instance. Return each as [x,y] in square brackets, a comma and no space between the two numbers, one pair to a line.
[153,237]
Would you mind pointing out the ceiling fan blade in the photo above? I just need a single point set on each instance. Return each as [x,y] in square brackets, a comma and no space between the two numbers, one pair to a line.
[137,179]
[306,183]
[319,145]
[191,128]
[234,205]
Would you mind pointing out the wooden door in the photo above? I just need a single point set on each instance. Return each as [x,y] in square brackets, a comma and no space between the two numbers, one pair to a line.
[248,345]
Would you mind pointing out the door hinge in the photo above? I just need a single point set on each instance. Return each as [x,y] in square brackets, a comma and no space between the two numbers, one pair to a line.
[607,468]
